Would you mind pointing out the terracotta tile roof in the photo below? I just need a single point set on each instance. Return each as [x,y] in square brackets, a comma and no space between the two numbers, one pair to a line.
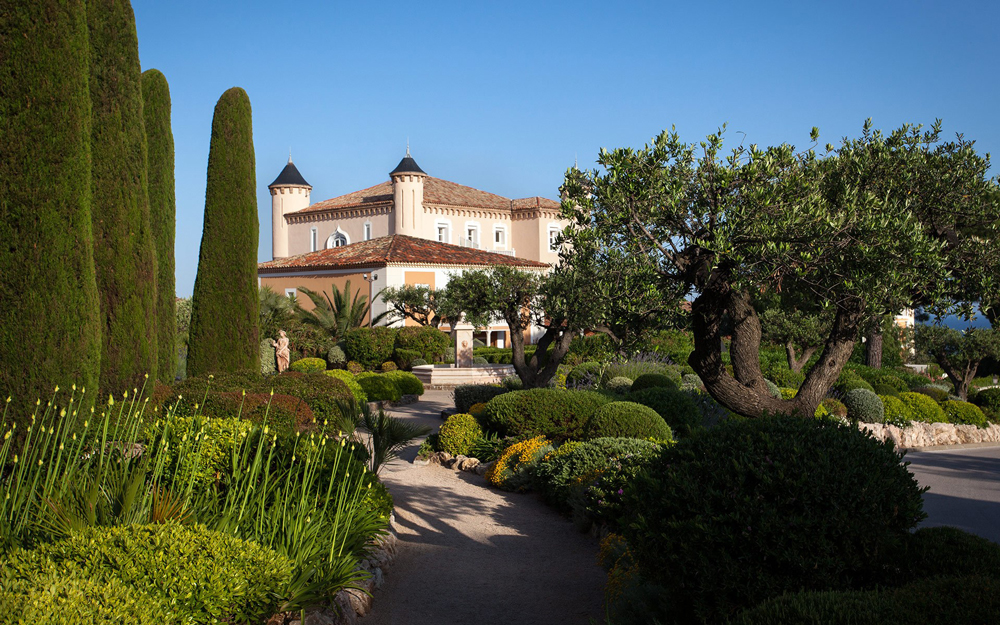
[395,249]
[436,191]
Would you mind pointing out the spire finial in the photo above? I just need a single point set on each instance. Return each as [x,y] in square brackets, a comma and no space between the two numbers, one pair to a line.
[289,156]
[407,147]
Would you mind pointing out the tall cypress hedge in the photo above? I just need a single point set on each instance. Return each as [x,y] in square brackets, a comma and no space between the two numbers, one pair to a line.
[224,309]
[162,214]
[123,241]
[49,324]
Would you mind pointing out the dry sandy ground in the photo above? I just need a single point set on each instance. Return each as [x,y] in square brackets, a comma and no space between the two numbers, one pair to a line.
[470,554]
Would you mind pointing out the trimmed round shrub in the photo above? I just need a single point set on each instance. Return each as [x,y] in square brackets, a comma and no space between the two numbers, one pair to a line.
[355,367]
[652,380]
[575,463]
[335,356]
[885,389]
[584,374]
[459,433]
[417,362]
[512,383]
[513,470]
[896,412]
[964,413]
[851,382]
[965,600]
[772,388]
[618,384]
[406,357]
[835,407]
[388,366]
[352,384]
[933,392]
[477,410]
[378,387]
[557,414]
[933,551]
[625,419]
[676,407]
[369,346]
[468,394]
[429,342]
[479,361]
[692,379]
[989,399]
[633,369]
[923,408]
[766,506]
[194,574]
[308,365]
[407,383]
[864,406]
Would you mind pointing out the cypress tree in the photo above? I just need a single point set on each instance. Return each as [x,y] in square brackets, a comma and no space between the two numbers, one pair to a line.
[160,144]
[123,243]
[224,309]
[49,324]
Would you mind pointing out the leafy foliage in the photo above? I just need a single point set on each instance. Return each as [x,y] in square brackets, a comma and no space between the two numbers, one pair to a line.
[923,408]
[466,395]
[819,506]
[964,413]
[337,314]
[348,379]
[459,433]
[406,382]
[513,470]
[378,387]
[676,407]
[308,365]
[225,307]
[557,414]
[959,353]
[625,419]
[369,346]
[895,412]
[864,406]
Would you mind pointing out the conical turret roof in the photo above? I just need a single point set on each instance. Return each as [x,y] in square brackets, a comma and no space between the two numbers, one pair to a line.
[290,175]
[407,166]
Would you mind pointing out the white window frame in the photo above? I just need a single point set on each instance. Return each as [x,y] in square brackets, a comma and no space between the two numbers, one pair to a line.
[442,223]
[331,241]
[472,228]
[292,294]
[554,232]
[313,239]
[368,231]
[502,243]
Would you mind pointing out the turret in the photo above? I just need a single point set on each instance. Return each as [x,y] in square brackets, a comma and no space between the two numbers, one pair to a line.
[408,192]
[289,193]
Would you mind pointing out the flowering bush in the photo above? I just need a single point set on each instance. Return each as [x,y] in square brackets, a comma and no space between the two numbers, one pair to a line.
[513,470]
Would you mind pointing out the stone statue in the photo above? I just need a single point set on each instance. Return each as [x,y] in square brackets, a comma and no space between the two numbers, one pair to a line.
[282,352]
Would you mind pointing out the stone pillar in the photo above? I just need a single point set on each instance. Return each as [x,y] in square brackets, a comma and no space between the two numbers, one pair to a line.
[462,332]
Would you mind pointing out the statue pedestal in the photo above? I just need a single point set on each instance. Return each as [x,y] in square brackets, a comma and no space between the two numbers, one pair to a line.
[462,333]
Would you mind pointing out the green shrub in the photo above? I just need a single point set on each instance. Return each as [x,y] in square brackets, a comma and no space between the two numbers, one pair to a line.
[591,347]
[885,389]
[203,462]
[308,365]
[354,367]
[282,411]
[352,384]
[933,551]
[268,360]
[651,380]
[574,464]
[846,384]
[335,356]
[967,600]
[835,407]
[479,361]
[318,390]
[416,362]
[911,378]
[923,408]
[896,412]
[933,392]
[194,574]
[676,407]
[388,366]
[225,307]
[632,369]
[514,469]
[691,379]
[429,342]
[618,384]
[962,412]
[788,393]
[407,383]
[369,346]
[864,406]
[378,387]
[555,413]
[61,597]
[512,383]
[468,394]
[773,388]
[587,373]
[989,399]
[884,376]
[459,433]
[766,506]
[407,358]
[625,419]
[786,378]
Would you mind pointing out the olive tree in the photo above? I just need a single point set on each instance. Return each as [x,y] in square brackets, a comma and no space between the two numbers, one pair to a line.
[870,227]
[958,353]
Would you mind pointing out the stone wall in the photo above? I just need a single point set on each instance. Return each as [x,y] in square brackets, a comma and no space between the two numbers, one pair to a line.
[930,434]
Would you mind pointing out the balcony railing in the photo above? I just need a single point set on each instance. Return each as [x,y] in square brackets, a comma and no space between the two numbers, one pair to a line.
[464,242]
[504,252]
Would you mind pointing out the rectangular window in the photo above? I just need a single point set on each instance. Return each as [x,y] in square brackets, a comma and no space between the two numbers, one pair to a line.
[442,234]
[313,240]
[472,236]
[500,237]
[553,238]
[291,293]
[368,232]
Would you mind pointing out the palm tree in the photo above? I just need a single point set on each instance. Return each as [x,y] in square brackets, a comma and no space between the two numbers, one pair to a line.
[339,313]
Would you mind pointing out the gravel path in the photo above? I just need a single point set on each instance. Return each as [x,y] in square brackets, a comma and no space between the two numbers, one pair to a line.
[472,554]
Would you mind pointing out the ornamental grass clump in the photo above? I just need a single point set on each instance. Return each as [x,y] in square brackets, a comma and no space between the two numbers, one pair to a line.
[459,433]
[513,469]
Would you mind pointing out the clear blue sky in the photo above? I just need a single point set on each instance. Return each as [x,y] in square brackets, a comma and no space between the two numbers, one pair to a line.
[504,96]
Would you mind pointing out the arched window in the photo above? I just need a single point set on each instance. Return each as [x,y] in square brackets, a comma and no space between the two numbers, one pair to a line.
[337,239]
